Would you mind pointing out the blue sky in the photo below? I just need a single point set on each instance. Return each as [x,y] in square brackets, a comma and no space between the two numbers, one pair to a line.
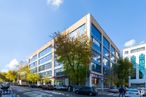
[25,25]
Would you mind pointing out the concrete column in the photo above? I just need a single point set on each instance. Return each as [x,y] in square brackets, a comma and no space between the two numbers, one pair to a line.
[90,80]
[102,72]
[53,62]
[88,25]
[88,31]
[137,69]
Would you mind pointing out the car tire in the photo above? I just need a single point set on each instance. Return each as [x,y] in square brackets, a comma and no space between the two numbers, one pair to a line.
[77,92]
[90,94]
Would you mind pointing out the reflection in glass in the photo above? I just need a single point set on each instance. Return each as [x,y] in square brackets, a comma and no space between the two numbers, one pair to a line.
[141,66]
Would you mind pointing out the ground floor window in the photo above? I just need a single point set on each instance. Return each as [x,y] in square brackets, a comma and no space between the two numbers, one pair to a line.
[135,85]
[59,82]
[95,81]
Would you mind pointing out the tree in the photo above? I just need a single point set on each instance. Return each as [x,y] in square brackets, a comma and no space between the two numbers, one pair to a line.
[33,78]
[3,77]
[23,72]
[11,75]
[47,80]
[75,54]
[122,70]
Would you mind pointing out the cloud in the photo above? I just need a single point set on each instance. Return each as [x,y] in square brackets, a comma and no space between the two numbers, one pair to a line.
[11,66]
[142,42]
[55,3]
[130,43]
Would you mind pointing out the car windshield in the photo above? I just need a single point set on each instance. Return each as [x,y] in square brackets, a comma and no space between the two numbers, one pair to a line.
[132,90]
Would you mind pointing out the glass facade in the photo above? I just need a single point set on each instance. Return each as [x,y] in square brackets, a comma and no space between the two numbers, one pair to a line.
[103,55]
[96,49]
[79,31]
[34,70]
[106,43]
[33,58]
[141,66]
[110,55]
[95,33]
[57,64]
[34,64]
[45,51]
[45,66]
[106,66]
[133,61]
[46,74]
[113,59]
[96,45]
[112,50]
[96,62]
[106,52]
[58,72]
[45,59]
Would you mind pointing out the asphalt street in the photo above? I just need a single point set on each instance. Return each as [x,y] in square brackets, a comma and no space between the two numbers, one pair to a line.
[36,92]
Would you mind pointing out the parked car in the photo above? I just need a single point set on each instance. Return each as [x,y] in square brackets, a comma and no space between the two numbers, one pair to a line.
[61,87]
[48,87]
[144,92]
[134,93]
[5,86]
[113,90]
[39,86]
[76,88]
[87,91]
[33,85]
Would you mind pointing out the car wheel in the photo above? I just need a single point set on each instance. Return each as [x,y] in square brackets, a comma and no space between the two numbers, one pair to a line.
[90,94]
[77,92]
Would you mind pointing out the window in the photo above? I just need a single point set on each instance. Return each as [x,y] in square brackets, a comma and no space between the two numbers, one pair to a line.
[45,59]
[58,64]
[45,66]
[105,52]
[79,31]
[46,74]
[137,50]
[49,73]
[33,64]
[95,33]
[106,43]
[96,67]
[34,70]
[96,58]
[113,59]
[141,66]
[45,51]
[126,52]
[96,62]
[112,50]
[106,66]
[96,45]
[133,61]
[59,72]
[33,58]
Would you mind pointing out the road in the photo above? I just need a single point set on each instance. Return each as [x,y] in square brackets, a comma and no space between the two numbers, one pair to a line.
[36,92]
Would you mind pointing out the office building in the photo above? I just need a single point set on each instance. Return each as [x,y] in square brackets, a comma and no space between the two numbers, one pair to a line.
[105,54]
[136,54]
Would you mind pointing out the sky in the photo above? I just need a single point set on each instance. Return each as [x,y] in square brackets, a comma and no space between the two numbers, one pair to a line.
[26,25]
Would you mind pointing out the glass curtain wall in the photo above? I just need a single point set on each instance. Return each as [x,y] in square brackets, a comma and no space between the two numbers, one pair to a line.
[141,66]
[133,61]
